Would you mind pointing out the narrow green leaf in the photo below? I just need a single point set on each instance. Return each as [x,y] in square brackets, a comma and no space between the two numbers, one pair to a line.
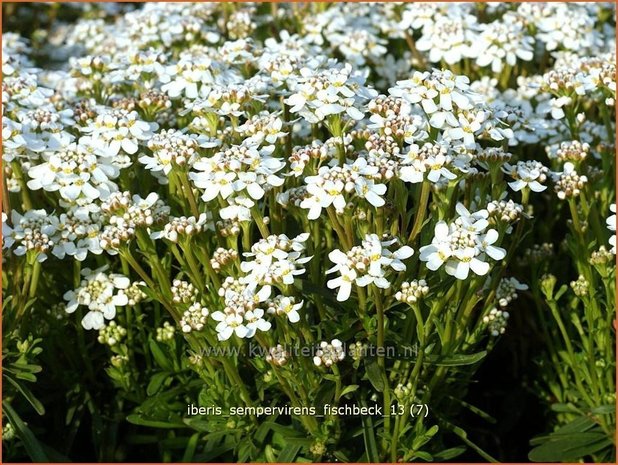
[484,415]
[348,389]
[464,437]
[155,383]
[159,355]
[457,359]
[570,447]
[341,456]
[371,446]
[33,446]
[36,404]
[426,456]
[449,454]
[190,449]
[374,373]
[138,419]
[288,453]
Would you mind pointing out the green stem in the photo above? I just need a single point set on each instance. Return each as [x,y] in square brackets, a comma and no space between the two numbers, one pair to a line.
[186,186]
[25,191]
[338,229]
[420,211]
[259,220]
[34,280]
[381,359]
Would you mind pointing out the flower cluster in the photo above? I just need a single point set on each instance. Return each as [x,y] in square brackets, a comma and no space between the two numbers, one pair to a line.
[366,264]
[276,259]
[329,354]
[463,245]
[102,293]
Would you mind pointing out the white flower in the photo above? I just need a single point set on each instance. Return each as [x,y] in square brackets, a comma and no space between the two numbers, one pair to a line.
[172,147]
[365,264]
[503,42]
[438,91]
[343,282]
[430,161]
[76,172]
[461,246]
[238,209]
[243,314]
[486,245]
[331,183]
[190,76]
[118,129]
[323,193]
[449,38]
[254,321]
[263,127]
[329,354]
[529,174]
[564,25]
[370,191]
[331,91]
[35,231]
[78,233]
[287,306]
[469,124]
[101,293]
[556,105]
[229,324]
[236,169]
[277,259]
[182,226]
[7,233]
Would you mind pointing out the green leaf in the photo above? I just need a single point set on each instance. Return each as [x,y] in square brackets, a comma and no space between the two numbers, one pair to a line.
[214,453]
[457,359]
[422,439]
[348,389]
[569,447]
[374,373]
[561,291]
[36,404]
[464,437]
[190,449]
[564,408]
[264,429]
[159,355]
[341,456]
[603,410]
[155,383]
[302,442]
[138,419]
[371,447]
[32,445]
[449,454]
[288,453]
[574,441]
[283,430]
[426,456]
[269,453]
[324,394]
[484,415]
[26,376]
[24,366]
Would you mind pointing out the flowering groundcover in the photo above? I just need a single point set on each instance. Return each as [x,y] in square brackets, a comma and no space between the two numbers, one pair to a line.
[308,232]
